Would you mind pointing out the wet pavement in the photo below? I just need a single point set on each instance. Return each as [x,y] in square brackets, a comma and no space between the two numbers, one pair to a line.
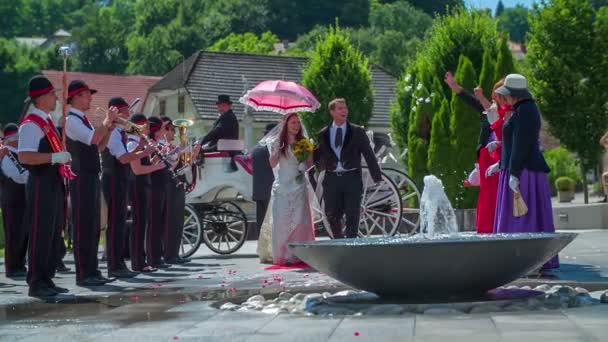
[176,304]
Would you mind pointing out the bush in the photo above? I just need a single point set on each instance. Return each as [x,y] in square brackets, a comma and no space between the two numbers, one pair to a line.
[562,164]
[564,184]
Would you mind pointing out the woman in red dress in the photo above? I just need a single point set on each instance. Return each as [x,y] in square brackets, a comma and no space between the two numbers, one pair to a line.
[488,152]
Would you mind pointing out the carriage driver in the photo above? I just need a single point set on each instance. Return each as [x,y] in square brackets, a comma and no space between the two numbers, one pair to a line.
[225,127]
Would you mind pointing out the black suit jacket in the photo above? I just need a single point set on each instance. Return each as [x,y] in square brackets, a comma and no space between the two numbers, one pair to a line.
[356,144]
[520,140]
[225,127]
[263,176]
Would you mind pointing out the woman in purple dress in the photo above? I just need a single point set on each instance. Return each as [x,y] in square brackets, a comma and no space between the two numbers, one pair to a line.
[523,167]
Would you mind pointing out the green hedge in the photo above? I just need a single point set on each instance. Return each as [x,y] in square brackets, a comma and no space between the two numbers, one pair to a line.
[564,184]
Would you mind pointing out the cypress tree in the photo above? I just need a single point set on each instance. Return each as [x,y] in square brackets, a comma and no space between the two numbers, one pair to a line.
[440,149]
[464,135]
[504,61]
[337,69]
[488,72]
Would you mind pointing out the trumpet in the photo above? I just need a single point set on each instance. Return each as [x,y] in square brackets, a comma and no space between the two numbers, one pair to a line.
[185,154]
[129,126]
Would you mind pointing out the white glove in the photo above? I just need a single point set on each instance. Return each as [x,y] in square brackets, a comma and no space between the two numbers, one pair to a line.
[60,158]
[493,169]
[301,167]
[492,113]
[514,183]
[474,176]
[492,146]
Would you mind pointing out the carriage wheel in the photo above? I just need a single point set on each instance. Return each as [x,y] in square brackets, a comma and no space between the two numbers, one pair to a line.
[191,236]
[381,208]
[225,228]
[410,199]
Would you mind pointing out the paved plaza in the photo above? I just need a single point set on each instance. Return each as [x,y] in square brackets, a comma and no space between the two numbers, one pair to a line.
[180,304]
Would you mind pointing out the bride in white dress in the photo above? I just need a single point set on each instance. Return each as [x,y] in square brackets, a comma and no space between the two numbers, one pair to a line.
[290,217]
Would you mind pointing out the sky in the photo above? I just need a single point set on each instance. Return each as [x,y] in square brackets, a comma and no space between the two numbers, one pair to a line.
[492,3]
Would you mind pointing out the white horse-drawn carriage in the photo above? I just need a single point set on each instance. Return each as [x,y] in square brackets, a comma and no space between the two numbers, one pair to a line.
[213,214]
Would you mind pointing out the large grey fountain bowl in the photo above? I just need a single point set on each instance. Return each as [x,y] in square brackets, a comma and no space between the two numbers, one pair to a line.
[448,265]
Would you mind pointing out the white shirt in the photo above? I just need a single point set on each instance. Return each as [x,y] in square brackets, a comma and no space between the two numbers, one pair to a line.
[75,128]
[133,142]
[332,141]
[30,134]
[115,145]
[10,169]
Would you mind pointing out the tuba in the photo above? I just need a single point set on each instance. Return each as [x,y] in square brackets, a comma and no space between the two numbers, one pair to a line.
[187,169]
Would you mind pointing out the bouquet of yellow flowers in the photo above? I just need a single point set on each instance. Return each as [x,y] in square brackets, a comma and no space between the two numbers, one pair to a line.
[302,150]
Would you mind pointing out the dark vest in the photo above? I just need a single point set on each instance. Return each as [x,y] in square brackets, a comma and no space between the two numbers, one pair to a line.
[43,170]
[112,166]
[143,180]
[85,158]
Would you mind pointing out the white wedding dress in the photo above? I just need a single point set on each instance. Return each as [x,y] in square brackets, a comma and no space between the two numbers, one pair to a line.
[289,218]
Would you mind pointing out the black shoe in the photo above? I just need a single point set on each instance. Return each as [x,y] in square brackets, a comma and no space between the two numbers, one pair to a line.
[91,281]
[18,274]
[62,268]
[161,265]
[124,273]
[60,289]
[178,260]
[104,279]
[41,292]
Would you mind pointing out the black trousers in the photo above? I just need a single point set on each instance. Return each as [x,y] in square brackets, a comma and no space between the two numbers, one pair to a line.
[174,227]
[261,207]
[86,215]
[342,197]
[158,218]
[115,190]
[15,233]
[44,204]
[140,208]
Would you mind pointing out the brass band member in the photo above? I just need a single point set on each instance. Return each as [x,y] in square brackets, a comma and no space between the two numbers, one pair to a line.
[176,203]
[13,177]
[140,195]
[41,152]
[84,143]
[158,207]
[115,182]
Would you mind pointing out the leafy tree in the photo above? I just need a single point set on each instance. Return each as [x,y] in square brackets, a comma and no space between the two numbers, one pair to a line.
[464,136]
[247,42]
[567,65]
[436,6]
[500,7]
[515,22]
[101,44]
[289,18]
[337,69]
[19,63]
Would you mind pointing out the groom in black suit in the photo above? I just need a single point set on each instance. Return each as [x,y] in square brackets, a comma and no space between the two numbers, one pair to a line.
[339,151]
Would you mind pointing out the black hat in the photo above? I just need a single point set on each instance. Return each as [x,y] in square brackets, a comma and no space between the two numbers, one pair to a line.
[78,86]
[10,129]
[223,99]
[118,102]
[167,121]
[40,85]
[139,119]
[155,124]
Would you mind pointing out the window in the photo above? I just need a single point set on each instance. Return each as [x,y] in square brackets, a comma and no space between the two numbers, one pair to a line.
[181,104]
[162,111]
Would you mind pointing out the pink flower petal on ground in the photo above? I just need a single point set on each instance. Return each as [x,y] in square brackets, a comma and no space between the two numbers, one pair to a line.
[357,333]
[136,298]
[176,337]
